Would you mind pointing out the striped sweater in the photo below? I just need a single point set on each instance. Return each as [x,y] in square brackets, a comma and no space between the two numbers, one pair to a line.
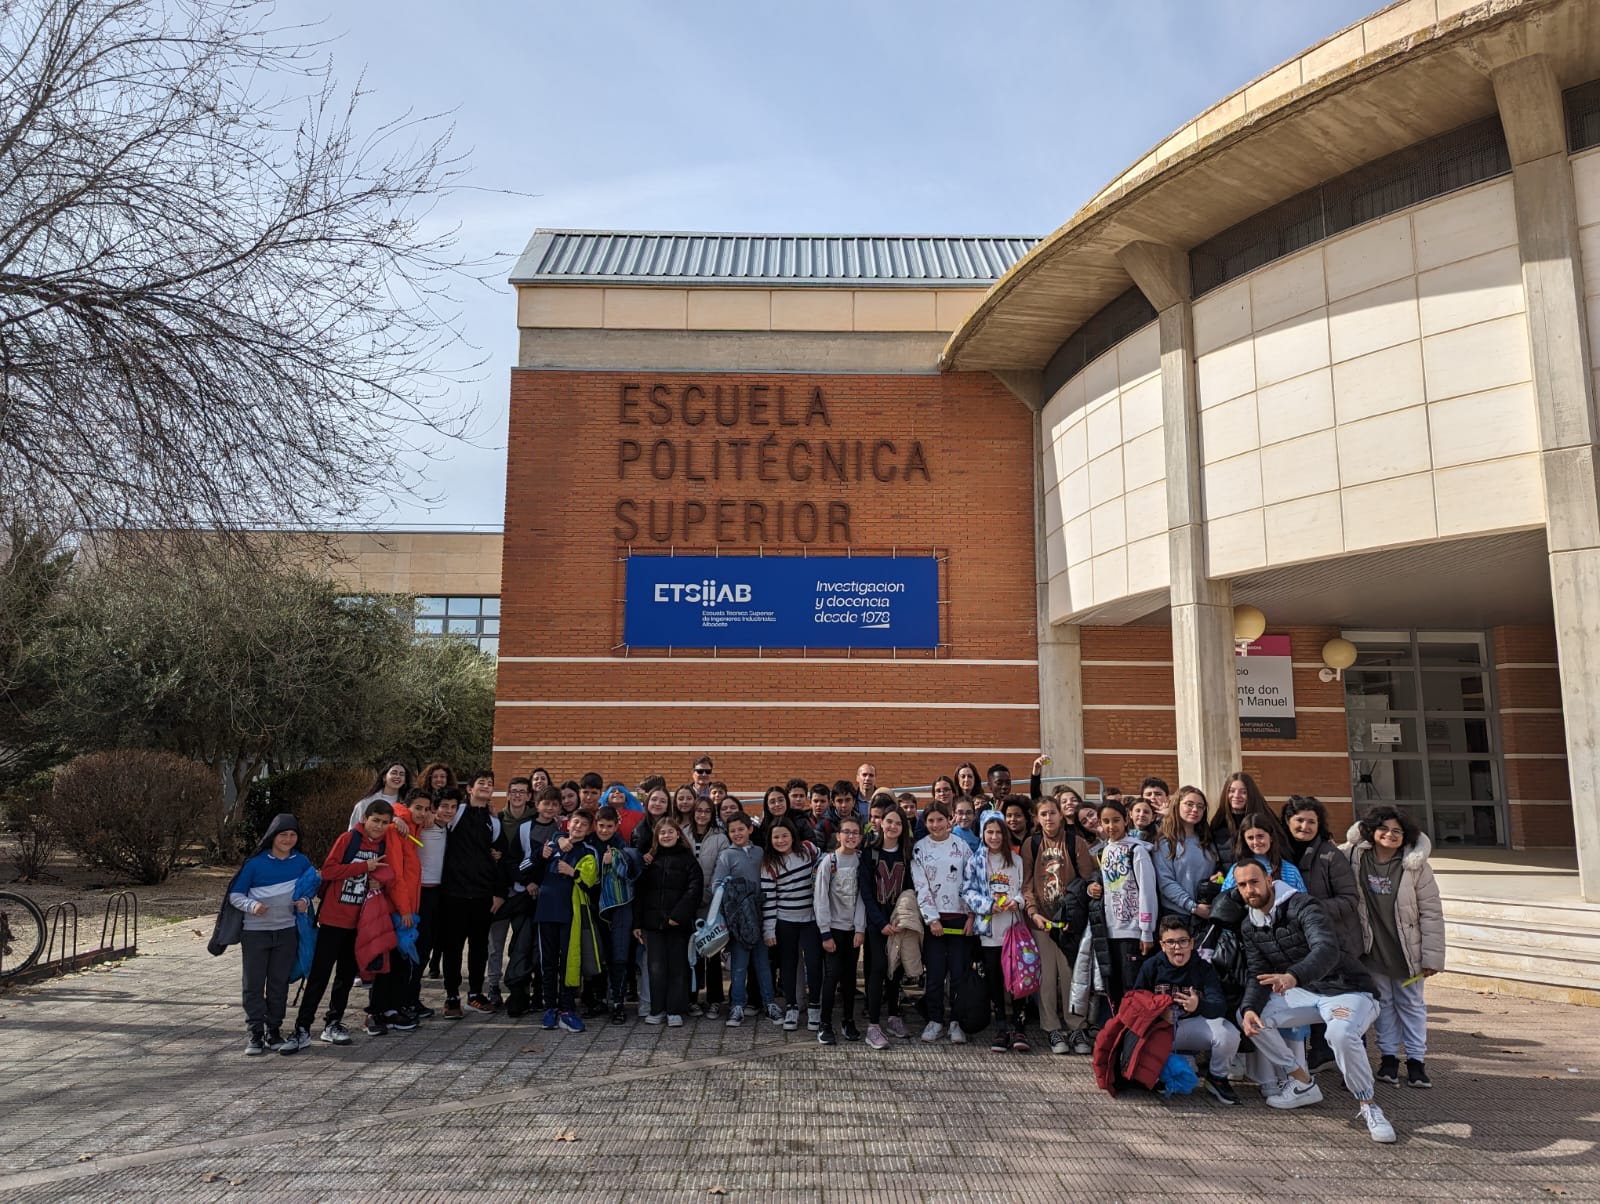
[789,895]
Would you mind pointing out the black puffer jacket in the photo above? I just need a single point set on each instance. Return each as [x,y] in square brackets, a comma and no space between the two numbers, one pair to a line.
[1300,940]
[470,869]
[1329,881]
[668,889]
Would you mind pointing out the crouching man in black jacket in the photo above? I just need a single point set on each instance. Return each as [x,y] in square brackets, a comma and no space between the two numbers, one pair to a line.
[1300,976]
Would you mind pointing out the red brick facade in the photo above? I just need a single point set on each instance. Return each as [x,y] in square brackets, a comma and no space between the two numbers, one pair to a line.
[929,463]
[1532,736]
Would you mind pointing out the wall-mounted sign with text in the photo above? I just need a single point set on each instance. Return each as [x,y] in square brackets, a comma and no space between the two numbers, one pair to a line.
[1264,678]
[781,602]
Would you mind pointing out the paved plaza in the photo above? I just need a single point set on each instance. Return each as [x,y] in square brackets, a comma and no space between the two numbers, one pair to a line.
[128,1083]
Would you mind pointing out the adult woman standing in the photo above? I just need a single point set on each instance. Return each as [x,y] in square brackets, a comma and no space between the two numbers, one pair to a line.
[1325,869]
[1185,857]
[437,777]
[707,839]
[1404,923]
[969,782]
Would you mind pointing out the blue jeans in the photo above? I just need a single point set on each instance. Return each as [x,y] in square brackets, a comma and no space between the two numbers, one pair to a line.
[740,957]
[620,951]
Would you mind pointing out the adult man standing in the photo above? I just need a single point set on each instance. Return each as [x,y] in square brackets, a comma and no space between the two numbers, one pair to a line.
[702,777]
[1300,976]
[866,786]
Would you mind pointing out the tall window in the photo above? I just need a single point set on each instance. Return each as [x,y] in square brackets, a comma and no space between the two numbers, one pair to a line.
[476,619]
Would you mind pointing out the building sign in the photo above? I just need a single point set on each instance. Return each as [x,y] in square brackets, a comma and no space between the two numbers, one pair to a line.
[1265,681]
[781,602]
[695,463]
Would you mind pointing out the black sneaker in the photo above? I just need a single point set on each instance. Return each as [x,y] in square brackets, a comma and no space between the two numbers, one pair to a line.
[1389,1070]
[825,1035]
[1221,1090]
[479,1003]
[1001,1042]
[257,1044]
[452,1008]
[422,1013]
[298,1040]
[496,1000]
[1417,1074]
[401,1021]
[849,1031]
[375,1027]
[619,1014]
[275,1040]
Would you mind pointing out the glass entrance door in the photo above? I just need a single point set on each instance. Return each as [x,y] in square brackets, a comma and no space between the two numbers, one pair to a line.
[1419,711]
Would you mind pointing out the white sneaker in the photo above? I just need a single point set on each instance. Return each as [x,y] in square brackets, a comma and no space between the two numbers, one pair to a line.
[933,1032]
[674,1021]
[655,1018]
[791,1020]
[814,1019]
[1296,1094]
[1378,1126]
[957,1037]
[735,1017]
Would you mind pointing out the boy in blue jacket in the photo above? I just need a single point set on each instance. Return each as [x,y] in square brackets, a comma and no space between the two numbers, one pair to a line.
[264,891]
[617,873]
[566,920]
[1199,1008]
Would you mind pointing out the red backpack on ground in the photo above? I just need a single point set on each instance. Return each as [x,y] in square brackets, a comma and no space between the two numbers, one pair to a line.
[1134,1045]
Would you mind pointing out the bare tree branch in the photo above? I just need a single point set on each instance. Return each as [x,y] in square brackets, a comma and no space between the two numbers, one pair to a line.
[220,302]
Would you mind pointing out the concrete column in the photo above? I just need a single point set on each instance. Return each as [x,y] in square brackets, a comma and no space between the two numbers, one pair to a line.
[1207,706]
[1060,664]
[1529,98]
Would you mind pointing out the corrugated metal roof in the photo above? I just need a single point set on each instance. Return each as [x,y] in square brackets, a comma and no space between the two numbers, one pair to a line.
[665,257]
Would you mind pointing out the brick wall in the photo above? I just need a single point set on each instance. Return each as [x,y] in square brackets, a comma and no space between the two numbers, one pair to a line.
[1533,738]
[568,469]
[1129,730]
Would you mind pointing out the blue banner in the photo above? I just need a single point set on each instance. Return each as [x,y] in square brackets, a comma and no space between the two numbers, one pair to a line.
[782,602]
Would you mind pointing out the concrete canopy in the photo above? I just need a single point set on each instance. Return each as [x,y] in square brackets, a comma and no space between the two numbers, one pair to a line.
[1410,72]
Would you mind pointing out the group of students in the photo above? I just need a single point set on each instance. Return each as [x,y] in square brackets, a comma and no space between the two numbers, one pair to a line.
[573,901]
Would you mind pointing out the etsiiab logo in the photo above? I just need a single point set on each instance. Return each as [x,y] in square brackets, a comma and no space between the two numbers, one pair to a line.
[704,593]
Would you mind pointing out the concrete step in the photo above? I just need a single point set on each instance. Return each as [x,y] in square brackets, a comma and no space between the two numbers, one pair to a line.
[1553,939]
[1571,914]
[1514,961]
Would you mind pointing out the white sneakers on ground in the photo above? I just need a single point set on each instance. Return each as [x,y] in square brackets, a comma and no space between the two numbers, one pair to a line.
[1378,1126]
[957,1037]
[933,1032]
[1296,1094]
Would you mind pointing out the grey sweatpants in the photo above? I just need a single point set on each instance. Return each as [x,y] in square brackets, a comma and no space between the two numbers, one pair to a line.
[1348,1018]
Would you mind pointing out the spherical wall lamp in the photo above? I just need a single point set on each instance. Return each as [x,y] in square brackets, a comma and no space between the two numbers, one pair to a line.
[1338,654]
[1248,625]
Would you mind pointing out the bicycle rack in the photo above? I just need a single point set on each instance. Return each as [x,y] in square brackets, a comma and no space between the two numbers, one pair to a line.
[119,931]
[61,940]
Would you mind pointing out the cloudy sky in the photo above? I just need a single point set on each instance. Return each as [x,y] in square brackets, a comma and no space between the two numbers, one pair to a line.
[879,116]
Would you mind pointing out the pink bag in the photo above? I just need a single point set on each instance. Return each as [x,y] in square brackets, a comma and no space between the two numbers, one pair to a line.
[1019,960]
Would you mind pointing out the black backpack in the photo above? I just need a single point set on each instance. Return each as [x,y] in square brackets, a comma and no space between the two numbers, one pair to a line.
[970,1005]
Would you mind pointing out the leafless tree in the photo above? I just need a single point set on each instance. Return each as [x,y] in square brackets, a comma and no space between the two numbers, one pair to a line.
[225,299]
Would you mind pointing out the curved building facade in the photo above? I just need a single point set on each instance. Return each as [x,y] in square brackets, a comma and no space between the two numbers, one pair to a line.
[1328,352]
